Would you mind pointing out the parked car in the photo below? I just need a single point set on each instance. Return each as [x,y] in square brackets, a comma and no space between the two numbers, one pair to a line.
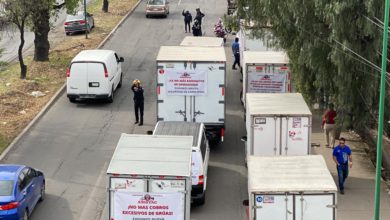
[94,74]
[21,188]
[157,8]
[200,153]
[76,23]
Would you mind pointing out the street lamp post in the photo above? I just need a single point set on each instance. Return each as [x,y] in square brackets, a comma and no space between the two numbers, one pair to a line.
[85,19]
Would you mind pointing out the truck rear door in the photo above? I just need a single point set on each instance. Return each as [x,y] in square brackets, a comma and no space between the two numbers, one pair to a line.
[209,106]
[275,207]
[266,136]
[319,207]
[295,136]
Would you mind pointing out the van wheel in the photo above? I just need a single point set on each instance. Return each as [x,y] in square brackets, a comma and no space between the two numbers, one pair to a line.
[111,98]
[201,201]
[72,100]
[120,81]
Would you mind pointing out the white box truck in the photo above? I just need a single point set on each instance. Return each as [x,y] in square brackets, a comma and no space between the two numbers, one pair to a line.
[277,124]
[202,41]
[265,72]
[149,177]
[191,87]
[287,188]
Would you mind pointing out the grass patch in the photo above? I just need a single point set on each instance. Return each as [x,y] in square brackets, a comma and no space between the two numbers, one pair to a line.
[17,106]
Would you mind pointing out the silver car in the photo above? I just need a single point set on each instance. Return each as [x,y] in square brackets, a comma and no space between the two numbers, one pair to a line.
[76,23]
[157,8]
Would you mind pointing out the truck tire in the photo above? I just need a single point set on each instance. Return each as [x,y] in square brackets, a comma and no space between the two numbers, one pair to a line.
[201,200]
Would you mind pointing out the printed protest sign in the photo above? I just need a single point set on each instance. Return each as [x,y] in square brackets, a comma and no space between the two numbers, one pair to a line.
[186,82]
[148,206]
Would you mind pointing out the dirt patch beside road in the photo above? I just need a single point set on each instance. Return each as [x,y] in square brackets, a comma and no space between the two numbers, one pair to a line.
[18,106]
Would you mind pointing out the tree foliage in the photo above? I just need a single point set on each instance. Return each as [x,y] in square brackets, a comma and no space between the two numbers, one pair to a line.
[334,48]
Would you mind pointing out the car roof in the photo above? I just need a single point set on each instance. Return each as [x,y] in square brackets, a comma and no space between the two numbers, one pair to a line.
[10,171]
[93,55]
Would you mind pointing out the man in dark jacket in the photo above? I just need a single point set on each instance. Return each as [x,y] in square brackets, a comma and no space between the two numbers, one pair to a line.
[199,15]
[138,101]
[187,20]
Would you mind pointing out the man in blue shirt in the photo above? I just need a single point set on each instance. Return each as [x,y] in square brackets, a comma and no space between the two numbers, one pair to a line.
[342,157]
[236,53]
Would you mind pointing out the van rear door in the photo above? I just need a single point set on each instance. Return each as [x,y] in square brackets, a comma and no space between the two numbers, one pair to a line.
[97,81]
[77,78]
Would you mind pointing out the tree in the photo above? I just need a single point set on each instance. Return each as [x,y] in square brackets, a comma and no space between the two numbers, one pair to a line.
[41,13]
[334,49]
[18,12]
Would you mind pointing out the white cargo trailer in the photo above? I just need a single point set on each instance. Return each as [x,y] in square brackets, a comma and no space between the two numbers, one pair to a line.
[287,188]
[149,177]
[277,124]
[191,87]
[265,72]
[202,41]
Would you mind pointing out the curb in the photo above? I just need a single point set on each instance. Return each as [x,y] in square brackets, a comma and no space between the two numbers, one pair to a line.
[59,92]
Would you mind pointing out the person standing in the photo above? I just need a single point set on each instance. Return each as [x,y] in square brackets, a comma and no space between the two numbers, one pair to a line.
[328,125]
[199,16]
[187,20]
[342,156]
[138,102]
[196,29]
[236,53]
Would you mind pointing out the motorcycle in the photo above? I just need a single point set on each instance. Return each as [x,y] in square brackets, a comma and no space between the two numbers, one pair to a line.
[219,31]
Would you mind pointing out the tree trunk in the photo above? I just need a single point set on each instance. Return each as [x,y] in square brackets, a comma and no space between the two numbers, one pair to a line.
[23,67]
[105,6]
[41,32]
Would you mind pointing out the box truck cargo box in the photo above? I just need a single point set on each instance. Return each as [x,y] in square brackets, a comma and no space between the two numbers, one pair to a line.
[287,188]
[277,124]
[191,87]
[149,177]
[202,41]
[265,72]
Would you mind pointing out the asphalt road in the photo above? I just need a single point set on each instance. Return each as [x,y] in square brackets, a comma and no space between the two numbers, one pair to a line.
[73,143]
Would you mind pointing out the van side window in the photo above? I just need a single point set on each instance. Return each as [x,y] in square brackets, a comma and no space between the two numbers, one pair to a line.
[203,146]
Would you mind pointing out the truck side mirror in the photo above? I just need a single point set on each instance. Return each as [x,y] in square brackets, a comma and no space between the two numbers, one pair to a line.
[149,132]
[244,138]
[121,59]
[245,202]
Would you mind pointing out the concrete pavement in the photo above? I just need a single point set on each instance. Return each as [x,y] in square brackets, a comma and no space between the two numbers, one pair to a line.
[359,199]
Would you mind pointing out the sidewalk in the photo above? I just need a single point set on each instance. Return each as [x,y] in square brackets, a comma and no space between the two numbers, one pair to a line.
[359,199]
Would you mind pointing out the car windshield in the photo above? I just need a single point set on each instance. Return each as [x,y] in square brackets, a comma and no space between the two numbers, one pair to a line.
[6,187]
[156,2]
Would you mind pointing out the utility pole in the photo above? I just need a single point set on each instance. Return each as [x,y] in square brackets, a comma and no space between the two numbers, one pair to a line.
[381,114]
[85,19]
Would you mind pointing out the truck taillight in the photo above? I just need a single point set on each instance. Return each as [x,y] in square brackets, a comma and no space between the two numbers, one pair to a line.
[9,206]
[158,90]
[105,72]
[223,91]
[179,177]
[115,174]
[68,73]
[201,180]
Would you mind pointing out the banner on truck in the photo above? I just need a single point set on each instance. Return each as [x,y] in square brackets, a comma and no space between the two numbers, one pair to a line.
[148,206]
[267,82]
[186,82]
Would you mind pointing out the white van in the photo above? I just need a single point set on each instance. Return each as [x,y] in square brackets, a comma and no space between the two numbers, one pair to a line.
[200,153]
[94,74]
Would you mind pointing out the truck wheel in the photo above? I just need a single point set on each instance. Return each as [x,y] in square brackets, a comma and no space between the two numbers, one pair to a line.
[111,98]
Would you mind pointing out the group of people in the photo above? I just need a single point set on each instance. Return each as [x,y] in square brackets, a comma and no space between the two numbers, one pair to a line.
[342,154]
[197,26]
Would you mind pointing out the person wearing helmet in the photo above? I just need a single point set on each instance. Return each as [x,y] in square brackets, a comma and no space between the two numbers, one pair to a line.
[138,101]
[187,20]
[196,28]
